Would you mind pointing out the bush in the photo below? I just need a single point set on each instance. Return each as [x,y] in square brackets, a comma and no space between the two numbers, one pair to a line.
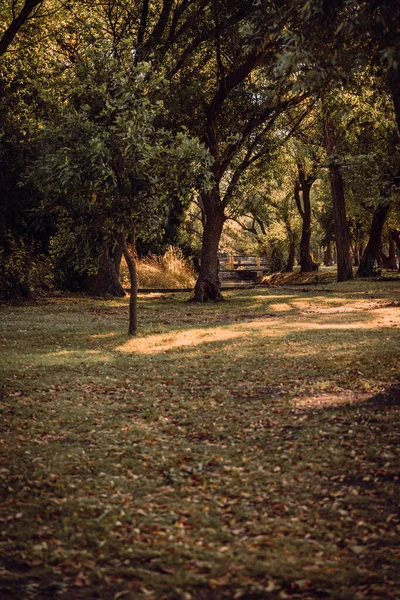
[15,268]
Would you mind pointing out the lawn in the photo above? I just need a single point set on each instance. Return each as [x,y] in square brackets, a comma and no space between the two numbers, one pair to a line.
[248,449]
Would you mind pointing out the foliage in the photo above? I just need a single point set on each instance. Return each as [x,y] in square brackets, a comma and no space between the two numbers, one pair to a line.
[15,261]
[104,167]
[243,77]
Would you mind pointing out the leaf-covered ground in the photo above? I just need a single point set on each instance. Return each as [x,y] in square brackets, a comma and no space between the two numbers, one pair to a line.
[248,449]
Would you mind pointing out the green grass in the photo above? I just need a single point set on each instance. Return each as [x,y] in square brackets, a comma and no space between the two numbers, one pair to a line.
[248,449]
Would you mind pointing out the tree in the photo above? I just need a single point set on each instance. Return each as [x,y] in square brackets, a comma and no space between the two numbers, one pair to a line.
[105,168]
[342,235]
[223,89]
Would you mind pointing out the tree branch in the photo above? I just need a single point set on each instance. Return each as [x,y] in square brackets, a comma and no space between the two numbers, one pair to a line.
[16,24]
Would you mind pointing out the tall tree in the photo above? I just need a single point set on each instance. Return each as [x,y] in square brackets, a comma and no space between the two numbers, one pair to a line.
[302,188]
[370,256]
[105,168]
[223,89]
[342,235]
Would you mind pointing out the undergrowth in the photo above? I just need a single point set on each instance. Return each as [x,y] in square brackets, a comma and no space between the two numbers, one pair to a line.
[170,270]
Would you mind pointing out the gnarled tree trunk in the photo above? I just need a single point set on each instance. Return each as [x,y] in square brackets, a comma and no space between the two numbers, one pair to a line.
[106,280]
[371,252]
[208,285]
[304,184]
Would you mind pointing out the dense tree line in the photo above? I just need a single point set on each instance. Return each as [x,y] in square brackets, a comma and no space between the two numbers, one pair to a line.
[148,116]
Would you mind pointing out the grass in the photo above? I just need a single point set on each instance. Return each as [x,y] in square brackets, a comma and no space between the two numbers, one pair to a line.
[171,270]
[248,449]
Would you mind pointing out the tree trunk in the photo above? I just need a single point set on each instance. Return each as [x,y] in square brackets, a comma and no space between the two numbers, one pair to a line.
[328,258]
[292,254]
[306,261]
[360,252]
[208,285]
[342,235]
[106,280]
[116,256]
[392,262]
[371,252]
[303,185]
[396,238]
[131,262]
[382,258]
[394,85]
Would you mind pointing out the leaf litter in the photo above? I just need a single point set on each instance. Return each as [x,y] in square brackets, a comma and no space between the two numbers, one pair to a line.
[261,461]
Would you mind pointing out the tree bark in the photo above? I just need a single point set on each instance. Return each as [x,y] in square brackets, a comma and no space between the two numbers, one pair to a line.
[342,234]
[356,257]
[328,258]
[106,280]
[208,285]
[371,252]
[131,262]
[116,256]
[396,239]
[304,185]
[357,245]
[392,262]
[394,85]
[292,254]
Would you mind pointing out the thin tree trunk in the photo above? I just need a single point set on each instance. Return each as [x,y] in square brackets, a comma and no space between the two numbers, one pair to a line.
[292,254]
[208,285]
[371,252]
[394,85]
[328,258]
[131,263]
[306,261]
[358,249]
[396,238]
[342,235]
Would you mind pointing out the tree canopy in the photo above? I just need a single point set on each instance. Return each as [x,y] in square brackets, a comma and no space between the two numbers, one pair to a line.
[122,116]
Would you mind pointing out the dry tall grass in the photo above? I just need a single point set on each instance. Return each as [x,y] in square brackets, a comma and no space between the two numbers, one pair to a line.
[171,270]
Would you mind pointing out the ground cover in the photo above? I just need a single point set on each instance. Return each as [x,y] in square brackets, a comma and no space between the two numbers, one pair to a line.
[248,449]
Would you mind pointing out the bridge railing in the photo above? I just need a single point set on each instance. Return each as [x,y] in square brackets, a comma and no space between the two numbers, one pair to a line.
[232,262]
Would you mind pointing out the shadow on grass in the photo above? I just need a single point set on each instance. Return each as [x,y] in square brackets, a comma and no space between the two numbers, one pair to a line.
[218,470]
